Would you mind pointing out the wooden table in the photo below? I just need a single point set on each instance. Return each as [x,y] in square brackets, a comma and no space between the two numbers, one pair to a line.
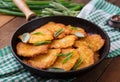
[107,71]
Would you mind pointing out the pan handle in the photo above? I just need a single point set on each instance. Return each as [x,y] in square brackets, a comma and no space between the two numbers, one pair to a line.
[25,9]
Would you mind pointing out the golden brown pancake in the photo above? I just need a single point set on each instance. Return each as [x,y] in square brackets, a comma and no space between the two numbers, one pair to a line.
[27,50]
[44,61]
[86,55]
[40,35]
[68,64]
[76,30]
[95,41]
[65,42]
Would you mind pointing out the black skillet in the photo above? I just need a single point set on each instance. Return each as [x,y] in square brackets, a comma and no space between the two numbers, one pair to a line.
[67,20]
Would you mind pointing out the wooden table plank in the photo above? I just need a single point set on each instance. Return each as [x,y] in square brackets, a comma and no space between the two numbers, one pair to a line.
[112,73]
[117,2]
[5,19]
[7,31]
[81,1]
[94,74]
[111,1]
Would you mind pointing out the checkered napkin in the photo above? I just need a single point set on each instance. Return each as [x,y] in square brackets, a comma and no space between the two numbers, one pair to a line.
[96,11]
[99,12]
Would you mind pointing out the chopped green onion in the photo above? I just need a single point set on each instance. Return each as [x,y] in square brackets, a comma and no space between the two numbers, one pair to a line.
[74,28]
[89,46]
[65,54]
[67,57]
[78,34]
[42,42]
[25,37]
[58,32]
[60,54]
[37,33]
[78,63]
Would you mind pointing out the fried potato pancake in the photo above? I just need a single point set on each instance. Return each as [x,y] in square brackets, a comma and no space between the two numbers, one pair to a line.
[54,27]
[44,61]
[39,35]
[76,30]
[70,63]
[27,50]
[86,55]
[95,42]
[65,42]
[80,42]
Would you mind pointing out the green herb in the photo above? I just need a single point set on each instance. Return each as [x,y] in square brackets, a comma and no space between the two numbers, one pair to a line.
[64,9]
[89,46]
[78,63]
[61,54]
[37,33]
[56,7]
[42,42]
[67,57]
[73,28]
[25,37]
[51,11]
[65,54]
[58,32]
[56,69]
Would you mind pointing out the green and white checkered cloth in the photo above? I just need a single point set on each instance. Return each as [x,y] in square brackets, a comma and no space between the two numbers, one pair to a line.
[99,12]
[96,11]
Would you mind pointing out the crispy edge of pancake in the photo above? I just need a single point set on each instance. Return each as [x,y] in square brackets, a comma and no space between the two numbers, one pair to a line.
[44,61]
[27,50]
[70,63]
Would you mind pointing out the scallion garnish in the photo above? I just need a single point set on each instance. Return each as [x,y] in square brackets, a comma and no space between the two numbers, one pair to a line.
[25,37]
[78,34]
[78,63]
[67,58]
[37,33]
[58,32]
[42,42]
